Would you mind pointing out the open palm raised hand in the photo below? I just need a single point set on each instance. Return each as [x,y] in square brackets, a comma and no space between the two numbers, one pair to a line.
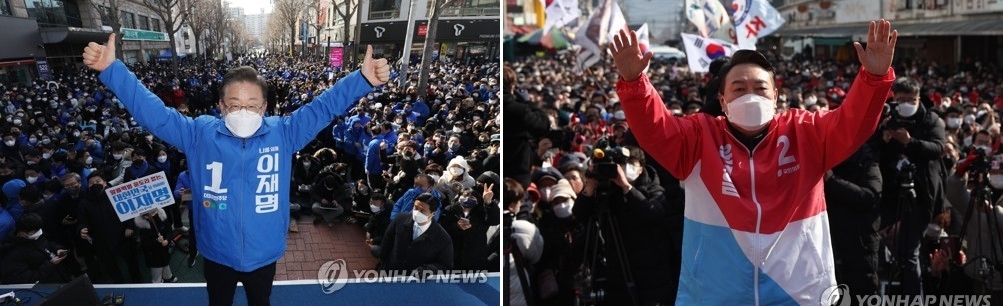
[880,50]
[627,55]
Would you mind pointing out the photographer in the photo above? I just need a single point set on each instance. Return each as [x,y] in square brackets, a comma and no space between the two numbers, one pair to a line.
[636,203]
[911,135]
[852,193]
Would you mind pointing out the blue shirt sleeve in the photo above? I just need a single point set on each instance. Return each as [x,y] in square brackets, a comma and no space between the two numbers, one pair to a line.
[148,110]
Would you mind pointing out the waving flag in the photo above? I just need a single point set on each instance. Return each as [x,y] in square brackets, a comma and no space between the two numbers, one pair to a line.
[694,13]
[607,19]
[560,13]
[700,51]
[718,21]
[755,18]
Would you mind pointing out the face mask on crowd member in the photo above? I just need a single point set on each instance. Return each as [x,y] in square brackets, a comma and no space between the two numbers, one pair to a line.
[748,96]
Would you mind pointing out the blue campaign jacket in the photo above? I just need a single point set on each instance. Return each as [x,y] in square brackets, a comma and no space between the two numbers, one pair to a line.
[240,186]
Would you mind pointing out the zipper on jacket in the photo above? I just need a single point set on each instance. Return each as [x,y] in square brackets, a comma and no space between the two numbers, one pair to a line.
[757,261]
[240,212]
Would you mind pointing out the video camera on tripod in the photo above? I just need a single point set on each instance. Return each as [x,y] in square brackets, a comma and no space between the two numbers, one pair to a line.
[605,160]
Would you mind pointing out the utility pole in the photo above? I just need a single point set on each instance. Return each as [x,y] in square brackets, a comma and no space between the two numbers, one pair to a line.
[406,57]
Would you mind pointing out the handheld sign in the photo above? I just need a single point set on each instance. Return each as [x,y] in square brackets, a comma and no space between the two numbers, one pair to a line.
[138,196]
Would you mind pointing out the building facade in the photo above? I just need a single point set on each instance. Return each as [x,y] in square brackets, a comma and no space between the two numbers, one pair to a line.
[465,30]
[51,34]
[945,31]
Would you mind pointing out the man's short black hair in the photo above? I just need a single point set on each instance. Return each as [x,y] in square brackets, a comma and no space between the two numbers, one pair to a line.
[243,74]
[29,222]
[905,85]
[430,200]
[745,57]
[30,194]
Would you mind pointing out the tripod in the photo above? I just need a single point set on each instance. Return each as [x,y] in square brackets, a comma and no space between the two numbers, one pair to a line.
[585,293]
[905,178]
[982,193]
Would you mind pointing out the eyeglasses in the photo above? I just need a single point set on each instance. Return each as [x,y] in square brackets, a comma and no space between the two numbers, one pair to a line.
[236,108]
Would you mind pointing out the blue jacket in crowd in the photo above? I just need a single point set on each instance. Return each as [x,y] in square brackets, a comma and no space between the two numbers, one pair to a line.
[242,183]
[406,202]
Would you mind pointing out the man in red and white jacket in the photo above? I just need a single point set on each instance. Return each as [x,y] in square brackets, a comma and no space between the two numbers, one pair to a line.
[756,230]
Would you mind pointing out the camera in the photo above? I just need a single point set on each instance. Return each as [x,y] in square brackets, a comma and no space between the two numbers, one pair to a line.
[605,159]
[894,120]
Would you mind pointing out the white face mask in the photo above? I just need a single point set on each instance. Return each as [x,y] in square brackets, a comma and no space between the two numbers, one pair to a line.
[996,180]
[457,130]
[985,148]
[563,210]
[419,218]
[810,100]
[89,160]
[933,231]
[243,123]
[374,208]
[9,143]
[162,159]
[116,156]
[46,155]
[457,170]
[906,109]
[435,177]
[969,119]
[149,138]
[632,172]
[306,164]
[35,235]
[953,123]
[751,111]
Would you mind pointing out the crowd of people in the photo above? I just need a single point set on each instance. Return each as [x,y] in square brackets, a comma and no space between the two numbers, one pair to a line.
[572,160]
[69,138]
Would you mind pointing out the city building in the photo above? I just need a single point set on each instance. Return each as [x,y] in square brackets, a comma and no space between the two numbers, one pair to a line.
[44,35]
[466,29]
[944,31]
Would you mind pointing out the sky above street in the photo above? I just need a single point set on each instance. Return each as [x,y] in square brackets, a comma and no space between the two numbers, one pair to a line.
[253,6]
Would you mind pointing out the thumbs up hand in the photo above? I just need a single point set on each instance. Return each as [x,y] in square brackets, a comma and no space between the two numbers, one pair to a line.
[377,72]
[99,57]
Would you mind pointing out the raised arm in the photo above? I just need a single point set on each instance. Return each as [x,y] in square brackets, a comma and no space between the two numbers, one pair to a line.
[659,130]
[845,129]
[308,120]
[165,123]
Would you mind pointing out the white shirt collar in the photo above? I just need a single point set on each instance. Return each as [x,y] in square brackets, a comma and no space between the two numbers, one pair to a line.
[422,228]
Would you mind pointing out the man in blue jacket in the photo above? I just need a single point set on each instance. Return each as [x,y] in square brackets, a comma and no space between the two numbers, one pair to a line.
[239,164]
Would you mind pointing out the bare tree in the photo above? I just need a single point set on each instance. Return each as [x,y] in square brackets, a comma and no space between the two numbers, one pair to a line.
[288,13]
[200,18]
[319,21]
[173,13]
[108,10]
[426,53]
[346,13]
[275,34]
[219,25]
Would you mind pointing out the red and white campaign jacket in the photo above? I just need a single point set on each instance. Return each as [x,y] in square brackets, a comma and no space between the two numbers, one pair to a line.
[755,230]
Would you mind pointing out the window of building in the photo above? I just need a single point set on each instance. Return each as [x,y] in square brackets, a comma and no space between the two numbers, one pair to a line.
[468,8]
[144,23]
[155,24]
[128,20]
[105,15]
[53,13]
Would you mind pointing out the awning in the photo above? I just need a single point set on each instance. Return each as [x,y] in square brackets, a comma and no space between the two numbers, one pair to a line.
[987,27]
[72,35]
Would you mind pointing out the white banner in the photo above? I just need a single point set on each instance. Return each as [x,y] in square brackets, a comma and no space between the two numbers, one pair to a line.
[136,197]
[700,51]
[755,18]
